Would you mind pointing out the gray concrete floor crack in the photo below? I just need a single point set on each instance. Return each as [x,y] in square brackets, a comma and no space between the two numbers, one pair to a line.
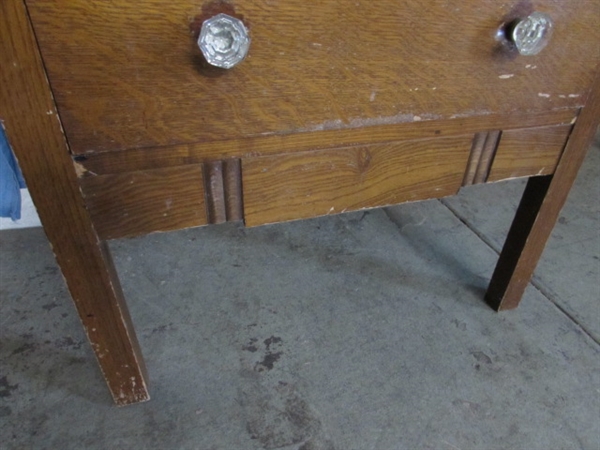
[536,284]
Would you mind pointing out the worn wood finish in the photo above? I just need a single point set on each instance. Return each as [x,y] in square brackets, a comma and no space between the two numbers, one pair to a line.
[233,189]
[540,206]
[136,203]
[303,185]
[153,158]
[29,116]
[528,152]
[129,74]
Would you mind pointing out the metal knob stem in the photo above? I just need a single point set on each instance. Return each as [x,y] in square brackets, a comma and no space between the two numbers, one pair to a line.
[224,41]
[531,34]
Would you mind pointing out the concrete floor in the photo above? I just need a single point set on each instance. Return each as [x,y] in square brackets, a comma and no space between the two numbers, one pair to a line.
[365,331]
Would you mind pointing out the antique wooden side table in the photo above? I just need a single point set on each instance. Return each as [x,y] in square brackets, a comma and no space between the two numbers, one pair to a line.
[135,117]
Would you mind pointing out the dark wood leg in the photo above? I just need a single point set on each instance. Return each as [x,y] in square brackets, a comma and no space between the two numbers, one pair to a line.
[516,264]
[540,206]
[33,129]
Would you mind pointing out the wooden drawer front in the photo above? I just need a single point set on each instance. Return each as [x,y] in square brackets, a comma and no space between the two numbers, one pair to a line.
[302,185]
[528,152]
[128,74]
[135,203]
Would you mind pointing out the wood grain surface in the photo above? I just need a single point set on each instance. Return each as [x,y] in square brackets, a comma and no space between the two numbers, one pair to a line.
[200,152]
[33,129]
[302,185]
[528,152]
[136,203]
[538,211]
[129,74]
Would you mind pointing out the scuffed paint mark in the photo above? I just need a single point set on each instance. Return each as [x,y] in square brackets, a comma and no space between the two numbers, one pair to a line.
[573,95]
[371,121]
[373,95]
[544,95]
[506,76]
[471,112]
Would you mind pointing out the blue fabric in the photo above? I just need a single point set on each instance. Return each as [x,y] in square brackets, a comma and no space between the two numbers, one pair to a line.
[11,181]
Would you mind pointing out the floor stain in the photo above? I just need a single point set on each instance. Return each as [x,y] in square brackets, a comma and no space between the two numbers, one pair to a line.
[460,325]
[277,416]
[251,346]
[271,356]
[272,340]
[25,348]
[50,306]
[268,361]
[6,388]
[162,329]
[482,357]
[280,417]
[68,342]
[317,445]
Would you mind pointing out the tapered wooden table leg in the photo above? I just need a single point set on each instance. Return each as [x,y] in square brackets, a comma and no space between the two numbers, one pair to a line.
[538,211]
[33,129]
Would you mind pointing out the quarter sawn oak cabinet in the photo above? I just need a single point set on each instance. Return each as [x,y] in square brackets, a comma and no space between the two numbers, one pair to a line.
[135,117]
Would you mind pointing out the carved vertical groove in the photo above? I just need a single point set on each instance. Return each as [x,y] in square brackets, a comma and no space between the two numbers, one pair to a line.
[487,156]
[482,155]
[474,157]
[223,185]
[233,189]
[215,193]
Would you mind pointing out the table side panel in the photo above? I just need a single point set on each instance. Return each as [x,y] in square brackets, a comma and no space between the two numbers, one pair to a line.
[528,152]
[141,202]
[303,185]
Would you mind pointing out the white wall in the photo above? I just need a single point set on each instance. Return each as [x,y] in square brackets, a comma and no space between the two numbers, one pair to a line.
[29,217]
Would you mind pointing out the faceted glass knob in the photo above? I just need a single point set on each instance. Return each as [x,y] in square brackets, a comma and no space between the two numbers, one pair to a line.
[530,35]
[224,41]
